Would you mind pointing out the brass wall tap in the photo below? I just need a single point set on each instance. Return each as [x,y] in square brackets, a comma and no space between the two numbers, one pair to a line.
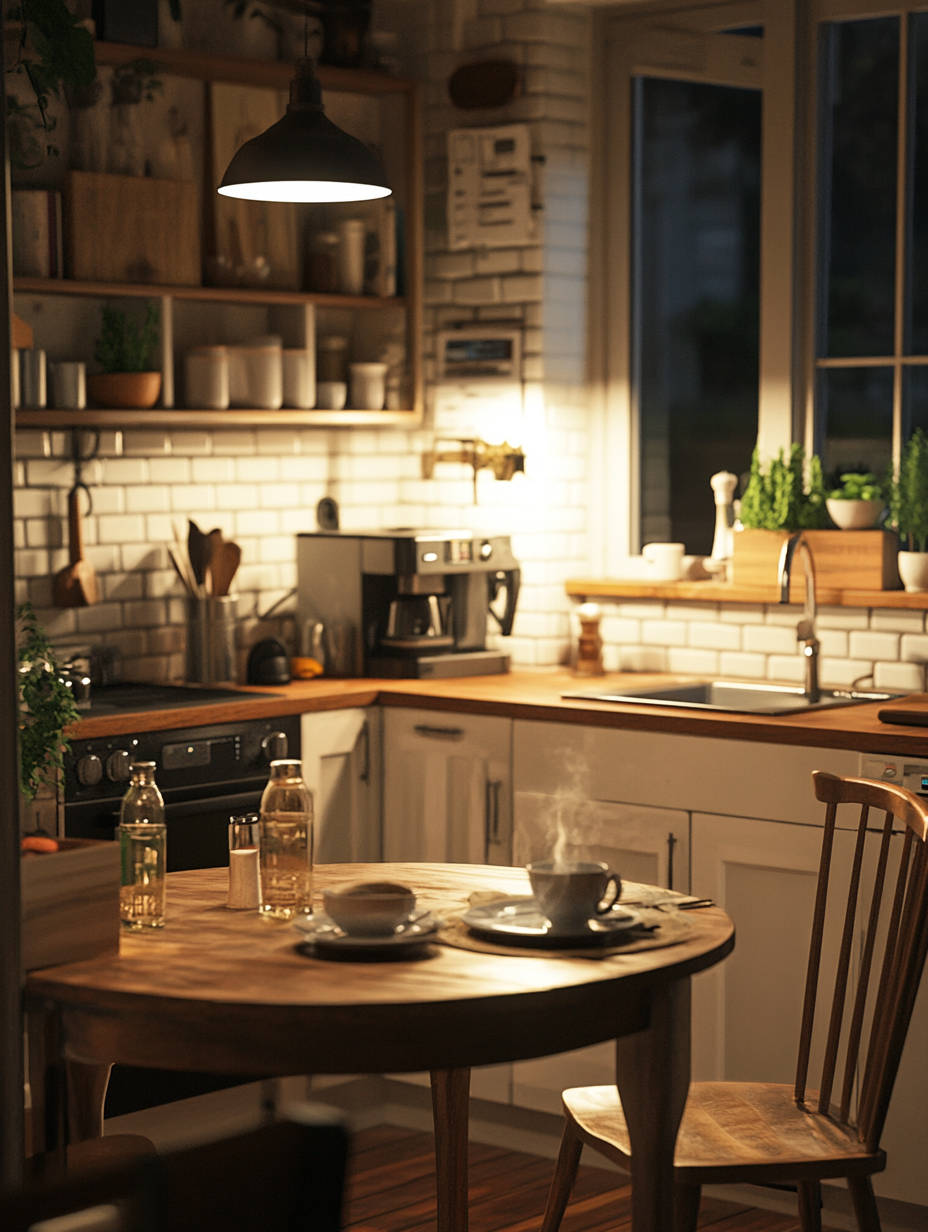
[503,460]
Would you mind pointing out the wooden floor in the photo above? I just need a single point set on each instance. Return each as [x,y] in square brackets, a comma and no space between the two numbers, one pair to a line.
[391,1188]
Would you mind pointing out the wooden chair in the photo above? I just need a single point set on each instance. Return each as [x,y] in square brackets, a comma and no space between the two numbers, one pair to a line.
[740,1132]
[286,1177]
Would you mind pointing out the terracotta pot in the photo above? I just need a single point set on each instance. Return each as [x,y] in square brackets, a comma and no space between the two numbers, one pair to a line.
[913,569]
[124,390]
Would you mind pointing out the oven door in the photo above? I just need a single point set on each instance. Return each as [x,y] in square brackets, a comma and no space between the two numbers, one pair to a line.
[197,821]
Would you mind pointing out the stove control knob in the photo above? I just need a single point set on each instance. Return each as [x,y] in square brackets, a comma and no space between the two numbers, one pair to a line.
[89,770]
[117,766]
[275,746]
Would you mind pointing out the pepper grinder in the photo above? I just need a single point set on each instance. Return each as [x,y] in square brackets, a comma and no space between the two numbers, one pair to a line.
[590,648]
[723,485]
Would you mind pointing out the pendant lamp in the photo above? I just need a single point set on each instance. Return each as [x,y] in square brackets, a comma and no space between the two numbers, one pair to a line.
[304,156]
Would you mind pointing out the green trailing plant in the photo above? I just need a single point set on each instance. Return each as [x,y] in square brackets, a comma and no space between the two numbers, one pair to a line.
[858,486]
[52,49]
[908,505]
[778,498]
[46,707]
[123,345]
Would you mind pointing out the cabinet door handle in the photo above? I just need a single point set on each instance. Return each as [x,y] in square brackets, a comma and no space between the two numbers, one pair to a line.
[492,810]
[671,843]
[365,775]
[439,733]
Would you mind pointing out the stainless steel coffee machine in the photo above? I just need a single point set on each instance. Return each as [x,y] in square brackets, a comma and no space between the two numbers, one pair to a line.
[406,603]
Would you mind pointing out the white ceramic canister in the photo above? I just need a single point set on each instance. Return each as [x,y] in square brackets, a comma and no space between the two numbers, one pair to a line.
[368,386]
[352,232]
[256,378]
[206,373]
[299,379]
[331,395]
[33,388]
[69,385]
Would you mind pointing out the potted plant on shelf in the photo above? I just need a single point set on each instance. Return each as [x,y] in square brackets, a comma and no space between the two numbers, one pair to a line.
[46,707]
[124,351]
[909,511]
[777,503]
[858,503]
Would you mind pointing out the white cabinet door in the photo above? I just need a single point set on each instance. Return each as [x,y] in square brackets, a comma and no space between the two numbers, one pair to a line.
[446,787]
[341,766]
[447,796]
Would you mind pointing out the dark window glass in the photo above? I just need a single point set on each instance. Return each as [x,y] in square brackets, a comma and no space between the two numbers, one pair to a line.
[859,227]
[917,340]
[915,400]
[697,273]
[858,420]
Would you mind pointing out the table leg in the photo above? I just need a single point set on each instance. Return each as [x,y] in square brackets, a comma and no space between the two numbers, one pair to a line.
[48,1088]
[653,1077]
[450,1111]
[87,1083]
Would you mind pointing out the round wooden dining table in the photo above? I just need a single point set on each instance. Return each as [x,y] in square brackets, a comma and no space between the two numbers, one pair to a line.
[230,993]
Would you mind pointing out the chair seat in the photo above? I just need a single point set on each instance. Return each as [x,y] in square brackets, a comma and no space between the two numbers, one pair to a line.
[730,1129]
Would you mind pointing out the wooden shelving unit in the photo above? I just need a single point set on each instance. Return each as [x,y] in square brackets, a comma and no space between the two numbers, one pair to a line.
[725,592]
[274,75]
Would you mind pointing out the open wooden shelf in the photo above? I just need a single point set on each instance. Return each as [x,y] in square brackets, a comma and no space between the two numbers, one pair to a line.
[218,295]
[272,74]
[169,418]
[725,592]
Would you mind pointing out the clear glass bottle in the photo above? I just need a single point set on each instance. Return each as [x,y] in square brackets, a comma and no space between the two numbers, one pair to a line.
[142,844]
[286,843]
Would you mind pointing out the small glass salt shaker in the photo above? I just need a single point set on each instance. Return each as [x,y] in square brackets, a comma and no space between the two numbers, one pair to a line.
[244,867]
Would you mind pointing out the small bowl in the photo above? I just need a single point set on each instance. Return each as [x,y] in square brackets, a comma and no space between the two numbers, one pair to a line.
[854,514]
[369,908]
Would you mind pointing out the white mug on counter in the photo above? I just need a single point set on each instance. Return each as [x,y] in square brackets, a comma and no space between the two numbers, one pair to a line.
[663,561]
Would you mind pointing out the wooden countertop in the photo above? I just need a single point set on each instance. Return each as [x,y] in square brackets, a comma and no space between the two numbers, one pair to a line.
[537,695]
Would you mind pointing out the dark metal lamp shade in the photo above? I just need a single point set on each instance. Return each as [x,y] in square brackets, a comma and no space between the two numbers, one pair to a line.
[304,156]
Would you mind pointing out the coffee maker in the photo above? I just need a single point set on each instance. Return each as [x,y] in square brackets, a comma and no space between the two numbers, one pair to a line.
[405,603]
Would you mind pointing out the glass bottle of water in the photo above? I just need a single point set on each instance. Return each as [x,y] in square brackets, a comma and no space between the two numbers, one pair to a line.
[286,843]
[142,844]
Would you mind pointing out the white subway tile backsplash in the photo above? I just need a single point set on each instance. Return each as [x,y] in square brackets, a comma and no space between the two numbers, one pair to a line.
[841,673]
[874,645]
[31,563]
[714,636]
[123,585]
[101,618]
[144,613]
[914,648]
[834,643]
[148,498]
[257,470]
[192,498]
[786,615]
[212,470]
[907,676]
[125,470]
[129,528]
[739,663]
[145,444]
[897,620]
[234,443]
[279,442]
[663,632]
[693,662]
[766,639]
[642,659]
[191,444]
[829,617]
[786,668]
[741,614]
[644,610]
[29,443]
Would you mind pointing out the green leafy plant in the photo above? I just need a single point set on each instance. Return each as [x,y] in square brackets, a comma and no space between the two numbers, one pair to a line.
[52,48]
[908,504]
[779,500]
[134,81]
[46,707]
[124,346]
[857,486]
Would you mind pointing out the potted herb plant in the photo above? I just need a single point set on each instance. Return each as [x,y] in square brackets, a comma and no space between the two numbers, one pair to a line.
[909,511]
[778,502]
[124,351]
[858,503]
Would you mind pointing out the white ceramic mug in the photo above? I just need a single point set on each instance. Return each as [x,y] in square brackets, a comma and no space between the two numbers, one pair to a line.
[664,561]
[368,386]
[206,370]
[299,379]
[32,378]
[331,395]
[69,385]
[571,892]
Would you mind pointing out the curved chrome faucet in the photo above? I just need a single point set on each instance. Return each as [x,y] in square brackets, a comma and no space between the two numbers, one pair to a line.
[805,630]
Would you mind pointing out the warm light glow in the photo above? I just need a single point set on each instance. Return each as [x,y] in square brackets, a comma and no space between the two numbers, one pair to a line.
[304,190]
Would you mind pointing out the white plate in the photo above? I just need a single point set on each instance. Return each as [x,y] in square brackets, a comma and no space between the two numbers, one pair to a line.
[521,921]
[325,933]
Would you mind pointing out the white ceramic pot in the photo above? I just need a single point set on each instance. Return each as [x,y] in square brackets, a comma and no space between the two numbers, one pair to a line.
[854,514]
[913,569]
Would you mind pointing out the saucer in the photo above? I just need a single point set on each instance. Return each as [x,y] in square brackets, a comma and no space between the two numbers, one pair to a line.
[325,934]
[520,921]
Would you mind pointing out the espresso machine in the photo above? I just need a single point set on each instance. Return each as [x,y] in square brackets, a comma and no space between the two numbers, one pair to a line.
[406,603]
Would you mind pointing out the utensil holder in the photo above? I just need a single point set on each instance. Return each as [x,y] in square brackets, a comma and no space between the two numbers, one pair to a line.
[211,627]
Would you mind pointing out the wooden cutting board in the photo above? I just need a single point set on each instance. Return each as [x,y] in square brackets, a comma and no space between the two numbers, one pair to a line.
[126,228]
[911,711]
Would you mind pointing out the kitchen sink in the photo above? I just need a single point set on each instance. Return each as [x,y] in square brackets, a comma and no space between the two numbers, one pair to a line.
[732,696]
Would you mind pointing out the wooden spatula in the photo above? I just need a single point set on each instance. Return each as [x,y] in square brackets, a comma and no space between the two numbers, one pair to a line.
[76,584]
[225,561]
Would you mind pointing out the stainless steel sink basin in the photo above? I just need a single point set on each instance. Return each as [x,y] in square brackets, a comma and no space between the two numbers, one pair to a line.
[731,696]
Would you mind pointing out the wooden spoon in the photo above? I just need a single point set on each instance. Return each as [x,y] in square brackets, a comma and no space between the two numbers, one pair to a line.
[76,585]
[226,559]
[199,548]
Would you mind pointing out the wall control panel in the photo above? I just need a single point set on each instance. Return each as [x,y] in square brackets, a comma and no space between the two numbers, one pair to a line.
[905,771]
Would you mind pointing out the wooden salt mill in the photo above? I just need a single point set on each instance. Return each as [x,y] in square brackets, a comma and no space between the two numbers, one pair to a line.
[590,648]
